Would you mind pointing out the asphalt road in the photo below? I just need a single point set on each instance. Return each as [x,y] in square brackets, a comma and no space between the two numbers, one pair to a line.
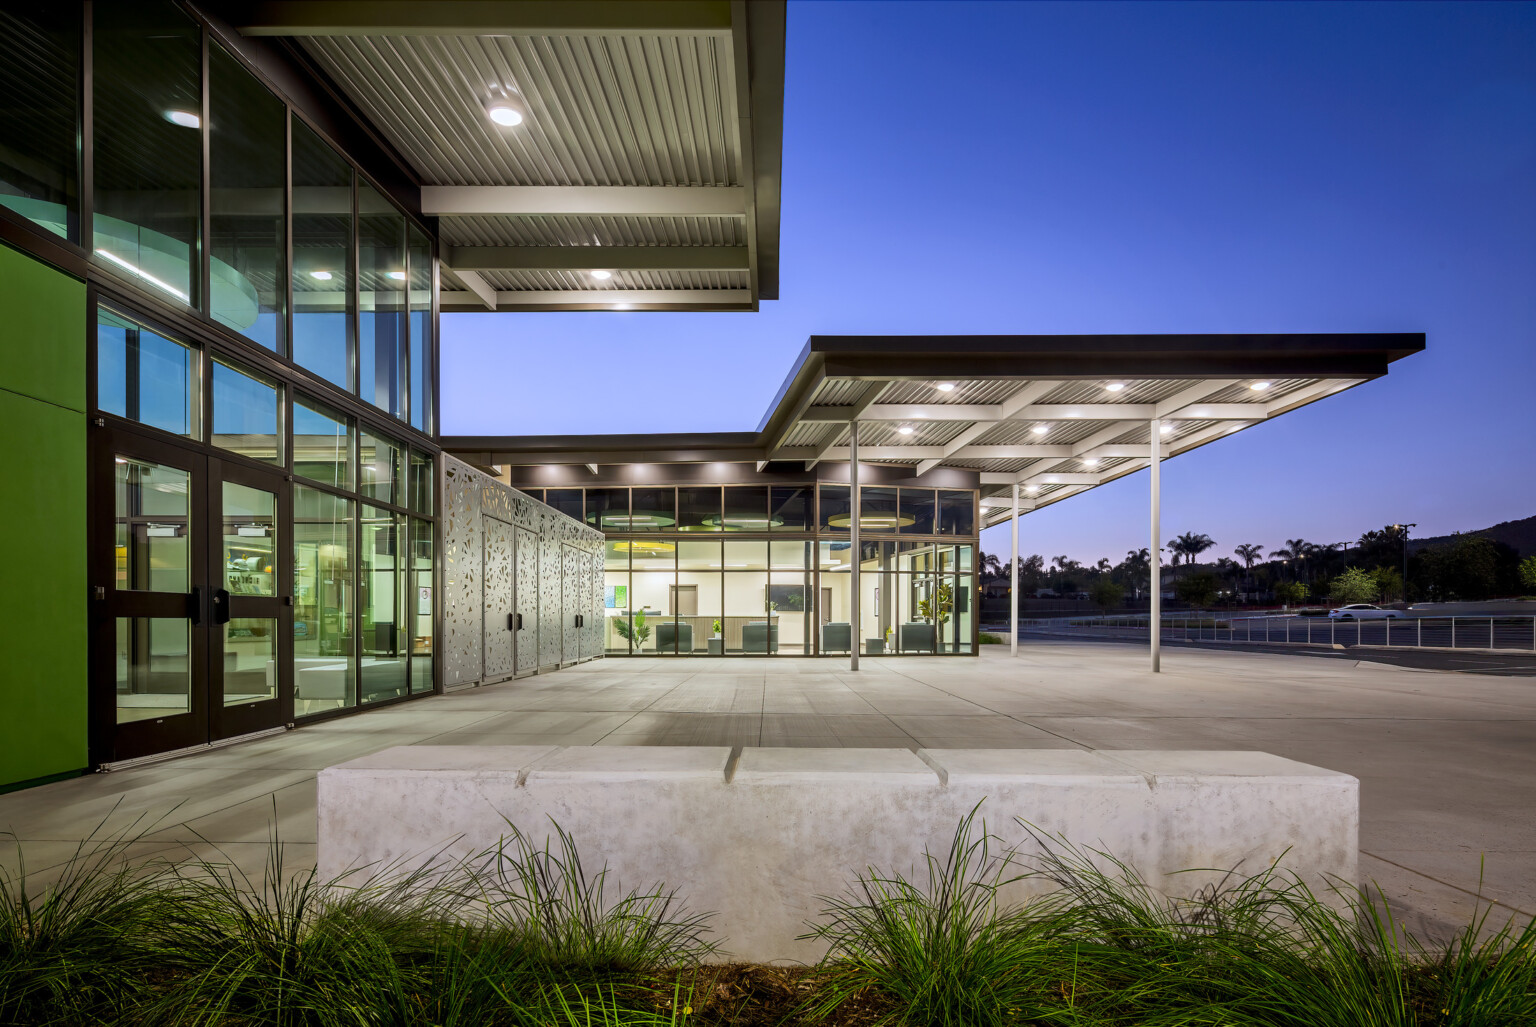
[1508,665]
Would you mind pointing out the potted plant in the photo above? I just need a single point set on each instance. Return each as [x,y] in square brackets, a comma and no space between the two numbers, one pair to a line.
[716,642]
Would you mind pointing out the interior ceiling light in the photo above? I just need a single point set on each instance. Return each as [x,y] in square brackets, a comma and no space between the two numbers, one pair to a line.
[601,275]
[904,430]
[945,386]
[1090,461]
[1259,386]
[321,276]
[398,276]
[1114,386]
[186,119]
[1040,429]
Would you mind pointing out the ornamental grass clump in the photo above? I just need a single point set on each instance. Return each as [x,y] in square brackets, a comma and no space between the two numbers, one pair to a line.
[87,947]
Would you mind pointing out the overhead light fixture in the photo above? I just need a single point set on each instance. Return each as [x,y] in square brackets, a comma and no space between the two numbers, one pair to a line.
[398,276]
[945,386]
[1114,386]
[1031,489]
[504,109]
[904,430]
[1090,461]
[1259,386]
[1166,429]
[186,119]
[621,306]
[321,276]
[1040,429]
[601,275]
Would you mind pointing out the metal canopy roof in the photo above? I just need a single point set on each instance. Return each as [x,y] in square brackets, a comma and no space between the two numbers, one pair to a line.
[650,146]
[1057,414]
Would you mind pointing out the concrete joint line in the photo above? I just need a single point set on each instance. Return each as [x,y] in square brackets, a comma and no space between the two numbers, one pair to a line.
[937,768]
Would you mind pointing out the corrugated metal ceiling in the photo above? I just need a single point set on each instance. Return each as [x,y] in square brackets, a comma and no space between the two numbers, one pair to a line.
[601,109]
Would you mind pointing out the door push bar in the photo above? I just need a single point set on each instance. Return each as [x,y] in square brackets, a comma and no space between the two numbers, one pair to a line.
[514,622]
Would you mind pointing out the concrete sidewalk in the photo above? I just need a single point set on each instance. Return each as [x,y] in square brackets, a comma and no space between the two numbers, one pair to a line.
[1447,762]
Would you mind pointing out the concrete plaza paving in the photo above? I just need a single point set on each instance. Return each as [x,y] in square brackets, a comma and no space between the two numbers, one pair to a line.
[1446,761]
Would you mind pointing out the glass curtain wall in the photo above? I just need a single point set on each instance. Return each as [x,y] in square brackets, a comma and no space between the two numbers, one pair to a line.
[248,159]
[381,311]
[148,146]
[322,258]
[675,591]
[39,77]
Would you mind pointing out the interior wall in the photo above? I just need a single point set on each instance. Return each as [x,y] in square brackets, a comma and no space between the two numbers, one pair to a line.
[43,606]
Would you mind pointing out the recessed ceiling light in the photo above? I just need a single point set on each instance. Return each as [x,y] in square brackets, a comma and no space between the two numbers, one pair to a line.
[1090,461]
[186,119]
[1259,386]
[602,276]
[621,306]
[945,386]
[1040,429]
[398,276]
[1166,429]
[1114,386]
[904,430]
[504,111]
[321,276]
[1031,489]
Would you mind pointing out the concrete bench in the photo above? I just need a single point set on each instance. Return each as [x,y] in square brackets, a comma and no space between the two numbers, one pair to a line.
[757,834]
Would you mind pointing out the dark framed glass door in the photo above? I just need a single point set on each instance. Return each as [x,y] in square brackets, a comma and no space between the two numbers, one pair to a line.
[151,571]
[250,685]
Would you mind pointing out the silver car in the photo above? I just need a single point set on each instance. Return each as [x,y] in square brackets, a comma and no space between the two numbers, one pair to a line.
[1363,611]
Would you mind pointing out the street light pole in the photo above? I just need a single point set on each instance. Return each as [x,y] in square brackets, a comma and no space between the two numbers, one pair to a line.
[1404,529]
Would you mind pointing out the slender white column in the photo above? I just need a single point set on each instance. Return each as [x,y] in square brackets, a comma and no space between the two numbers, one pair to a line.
[1155,621]
[1013,581]
[853,538]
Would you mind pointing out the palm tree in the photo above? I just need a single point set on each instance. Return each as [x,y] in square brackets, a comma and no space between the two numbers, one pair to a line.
[1248,552]
[1103,566]
[1297,549]
[1193,545]
[1176,547]
[991,567]
[1059,564]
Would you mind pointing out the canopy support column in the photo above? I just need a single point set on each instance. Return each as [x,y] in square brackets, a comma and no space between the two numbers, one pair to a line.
[1154,552]
[1013,580]
[853,538]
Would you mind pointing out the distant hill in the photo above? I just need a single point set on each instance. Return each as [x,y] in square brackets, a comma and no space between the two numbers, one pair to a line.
[1518,535]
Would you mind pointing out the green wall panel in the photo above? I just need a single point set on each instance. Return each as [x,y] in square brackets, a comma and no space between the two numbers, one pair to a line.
[42,347]
[43,612]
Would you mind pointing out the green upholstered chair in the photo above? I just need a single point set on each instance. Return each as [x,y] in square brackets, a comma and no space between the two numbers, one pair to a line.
[836,637]
[672,637]
[758,636]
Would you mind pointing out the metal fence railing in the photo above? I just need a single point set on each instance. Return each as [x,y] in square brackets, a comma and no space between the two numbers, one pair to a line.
[1500,633]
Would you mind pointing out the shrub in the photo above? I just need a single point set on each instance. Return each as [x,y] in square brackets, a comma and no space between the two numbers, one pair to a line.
[1355,586]
[987,638]
[1106,594]
[1198,590]
[1290,592]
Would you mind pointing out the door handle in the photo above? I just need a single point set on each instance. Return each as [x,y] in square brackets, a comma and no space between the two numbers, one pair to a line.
[221,606]
[514,622]
[195,605]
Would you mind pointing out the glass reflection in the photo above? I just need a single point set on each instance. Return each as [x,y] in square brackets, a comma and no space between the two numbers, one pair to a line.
[381,468]
[246,158]
[153,543]
[322,444]
[250,540]
[381,308]
[322,262]
[39,77]
[250,660]
[324,667]
[153,668]
[145,377]
[245,414]
[420,600]
[420,303]
[380,598]
[149,145]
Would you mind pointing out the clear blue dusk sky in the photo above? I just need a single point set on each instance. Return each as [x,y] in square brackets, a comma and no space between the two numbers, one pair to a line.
[1021,168]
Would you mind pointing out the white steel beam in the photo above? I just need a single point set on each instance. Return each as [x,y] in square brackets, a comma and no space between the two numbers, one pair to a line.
[584,200]
[482,18]
[871,393]
[609,299]
[477,286]
[1009,407]
[1013,581]
[587,258]
[1154,551]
